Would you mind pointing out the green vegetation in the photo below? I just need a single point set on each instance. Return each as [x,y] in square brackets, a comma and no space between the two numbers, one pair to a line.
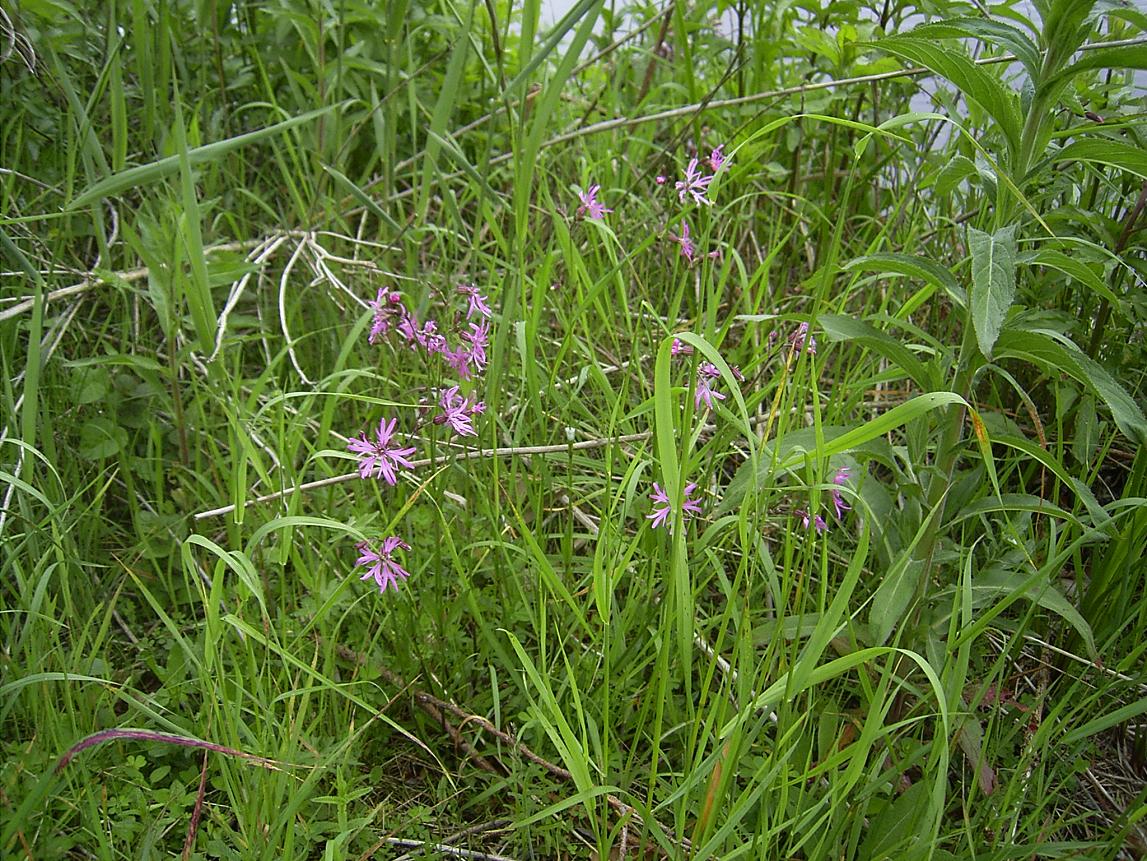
[888,386]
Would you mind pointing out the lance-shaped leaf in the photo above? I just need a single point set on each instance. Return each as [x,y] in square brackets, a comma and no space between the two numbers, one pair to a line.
[993,282]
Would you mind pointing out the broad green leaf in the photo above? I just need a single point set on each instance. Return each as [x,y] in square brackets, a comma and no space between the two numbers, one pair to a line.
[1006,36]
[1126,57]
[794,446]
[156,170]
[921,268]
[975,82]
[993,282]
[101,437]
[997,580]
[841,328]
[1055,354]
[895,830]
[899,584]
[1075,268]
[1123,156]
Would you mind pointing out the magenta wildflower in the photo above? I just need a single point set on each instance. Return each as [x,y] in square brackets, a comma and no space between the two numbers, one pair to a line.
[383,567]
[477,302]
[695,184]
[385,307]
[459,362]
[425,336]
[802,340]
[737,375]
[817,521]
[457,412]
[381,455]
[704,392]
[717,159]
[591,207]
[661,179]
[478,338]
[660,516]
[679,348]
[688,250]
[838,502]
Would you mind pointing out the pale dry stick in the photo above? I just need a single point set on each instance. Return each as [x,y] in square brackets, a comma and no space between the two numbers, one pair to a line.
[1115,674]
[291,263]
[93,279]
[494,825]
[444,848]
[259,256]
[466,454]
[7,171]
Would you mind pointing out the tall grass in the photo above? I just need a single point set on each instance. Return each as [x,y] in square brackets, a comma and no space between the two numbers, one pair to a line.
[199,200]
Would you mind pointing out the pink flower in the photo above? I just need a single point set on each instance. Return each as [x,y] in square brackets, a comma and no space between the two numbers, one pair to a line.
[661,179]
[383,568]
[386,306]
[678,348]
[838,502]
[381,455]
[477,302]
[717,159]
[704,392]
[660,516]
[802,340]
[478,338]
[459,362]
[591,207]
[457,412]
[695,184]
[425,336]
[817,521]
[688,250]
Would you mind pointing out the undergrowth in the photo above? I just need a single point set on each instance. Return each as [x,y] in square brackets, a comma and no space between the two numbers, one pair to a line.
[734,411]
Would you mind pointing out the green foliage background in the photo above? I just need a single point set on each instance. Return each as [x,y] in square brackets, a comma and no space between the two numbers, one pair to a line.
[197,199]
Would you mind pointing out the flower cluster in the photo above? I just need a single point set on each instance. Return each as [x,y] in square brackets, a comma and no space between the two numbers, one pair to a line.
[382,457]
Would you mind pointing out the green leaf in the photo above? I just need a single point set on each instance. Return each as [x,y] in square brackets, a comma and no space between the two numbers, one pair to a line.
[1121,715]
[895,830]
[841,328]
[1056,354]
[792,448]
[920,268]
[993,282]
[899,584]
[1074,268]
[1103,151]
[100,438]
[1126,57]
[156,170]
[997,580]
[997,32]
[974,82]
